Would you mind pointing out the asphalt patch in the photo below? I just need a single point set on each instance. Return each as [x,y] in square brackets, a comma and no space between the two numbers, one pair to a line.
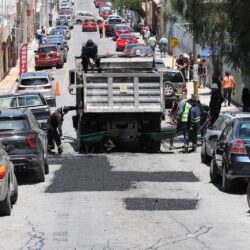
[94,173]
[154,204]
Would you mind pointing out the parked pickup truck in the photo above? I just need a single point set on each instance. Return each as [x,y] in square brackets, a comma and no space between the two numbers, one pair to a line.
[125,100]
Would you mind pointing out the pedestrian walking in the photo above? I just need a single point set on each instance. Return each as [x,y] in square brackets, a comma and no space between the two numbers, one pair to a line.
[202,72]
[101,29]
[55,129]
[193,123]
[43,30]
[163,46]
[245,98]
[228,87]
[181,65]
[152,43]
[215,103]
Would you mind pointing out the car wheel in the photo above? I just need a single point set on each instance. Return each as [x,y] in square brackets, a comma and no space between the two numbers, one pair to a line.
[204,157]
[14,195]
[169,89]
[5,205]
[39,175]
[248,194]
[78,22]
[227,184]
[214,173]
[46,165]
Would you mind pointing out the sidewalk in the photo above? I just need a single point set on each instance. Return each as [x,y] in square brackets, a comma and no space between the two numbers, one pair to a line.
[7,85]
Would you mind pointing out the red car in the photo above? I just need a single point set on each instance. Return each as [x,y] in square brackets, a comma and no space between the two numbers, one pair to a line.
[130,46]
[124,39]
[120,29]
[48,55]
[98,3]
[105,12]
[89,25]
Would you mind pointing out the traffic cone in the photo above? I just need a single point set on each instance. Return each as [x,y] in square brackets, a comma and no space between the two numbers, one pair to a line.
[57,91]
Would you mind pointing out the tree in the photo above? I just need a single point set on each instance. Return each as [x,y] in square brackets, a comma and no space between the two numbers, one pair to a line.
[135,5]
[221,25]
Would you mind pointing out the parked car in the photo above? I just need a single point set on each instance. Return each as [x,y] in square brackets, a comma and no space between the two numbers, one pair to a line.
[65,29]
[60,44]
[58,33]
[231,154]
[65,11]
[123,39]
[8,183]
[35,101]
[110,24]
[116,16]
[62,20]
[212,135]
[120,29]
[25,141]
[58,37]
[89,25]
[104,12]
[80,16]
[99,2]
[174,83]
[48,56]
[130,46]
[39,82]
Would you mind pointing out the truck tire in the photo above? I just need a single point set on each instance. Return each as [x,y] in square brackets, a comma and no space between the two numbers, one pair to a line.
[5,205]
[169,89]
[14,195]
[214,173]
[226,184]
[150,146]
[39,174]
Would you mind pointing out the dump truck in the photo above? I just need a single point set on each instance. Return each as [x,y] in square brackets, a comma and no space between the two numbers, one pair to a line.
[125,100]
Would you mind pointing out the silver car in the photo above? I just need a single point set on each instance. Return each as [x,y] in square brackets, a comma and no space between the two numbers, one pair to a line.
[38,82]
[8,183]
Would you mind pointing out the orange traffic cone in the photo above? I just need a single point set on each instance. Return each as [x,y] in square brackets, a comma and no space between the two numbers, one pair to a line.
[57,91]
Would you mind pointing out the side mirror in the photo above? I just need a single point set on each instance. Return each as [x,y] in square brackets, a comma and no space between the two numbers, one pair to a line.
[72,77]
[214,138]
[44,126]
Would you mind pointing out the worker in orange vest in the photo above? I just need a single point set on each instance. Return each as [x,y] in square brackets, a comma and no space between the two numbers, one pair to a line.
[101,29]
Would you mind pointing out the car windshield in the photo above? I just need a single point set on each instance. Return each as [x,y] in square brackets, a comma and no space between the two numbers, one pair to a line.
[20,101]
[13,124]
[133,45]
[115,21]
[47,49]
[57,32]
[34,81]
[244,130]
[174,77]
[122,28]
[61,28]
[127,36]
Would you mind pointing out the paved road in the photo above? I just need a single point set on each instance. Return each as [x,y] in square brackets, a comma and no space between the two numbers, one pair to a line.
[122,200]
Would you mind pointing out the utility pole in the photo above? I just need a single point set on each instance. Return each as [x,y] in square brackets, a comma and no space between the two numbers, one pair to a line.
[25,22]
[146,11]
[195,68]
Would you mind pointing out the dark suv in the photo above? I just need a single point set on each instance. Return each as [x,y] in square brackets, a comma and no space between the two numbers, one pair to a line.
[25,142]
[110,24]
[231,156]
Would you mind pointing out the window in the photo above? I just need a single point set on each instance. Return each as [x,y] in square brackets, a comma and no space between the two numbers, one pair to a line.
[29,101]
[47,49]
[13,123]
[174,77]
[10,102]
[244,130]
[34,81]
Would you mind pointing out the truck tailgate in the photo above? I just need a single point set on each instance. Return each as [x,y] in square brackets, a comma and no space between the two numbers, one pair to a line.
[123,92]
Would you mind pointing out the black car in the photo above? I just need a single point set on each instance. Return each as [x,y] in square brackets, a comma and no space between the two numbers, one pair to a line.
[110,24]
[35,101]
[25,141]
[231,156]
[212,135]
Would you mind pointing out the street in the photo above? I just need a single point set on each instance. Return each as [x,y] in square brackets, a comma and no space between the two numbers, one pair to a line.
[122,200]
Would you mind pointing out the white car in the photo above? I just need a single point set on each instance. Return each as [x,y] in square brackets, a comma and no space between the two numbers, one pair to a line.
[80,16]
[116,16]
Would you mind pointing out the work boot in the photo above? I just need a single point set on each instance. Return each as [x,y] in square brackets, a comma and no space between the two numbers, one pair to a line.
[194,148]
[185,148]
[60,149]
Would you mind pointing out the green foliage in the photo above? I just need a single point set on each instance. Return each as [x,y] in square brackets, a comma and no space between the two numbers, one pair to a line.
[222,24]
[135,5]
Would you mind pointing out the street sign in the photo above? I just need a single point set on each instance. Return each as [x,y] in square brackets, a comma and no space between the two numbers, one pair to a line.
[195,73]
[23,57]
[174,42]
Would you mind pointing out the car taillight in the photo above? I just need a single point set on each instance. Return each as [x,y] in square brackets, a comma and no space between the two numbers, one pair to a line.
[31,139]
[184,88]
[47,87]
[239,147]
[2,171]
[21,88]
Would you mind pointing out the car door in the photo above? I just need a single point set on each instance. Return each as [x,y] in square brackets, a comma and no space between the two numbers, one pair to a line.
[222,145]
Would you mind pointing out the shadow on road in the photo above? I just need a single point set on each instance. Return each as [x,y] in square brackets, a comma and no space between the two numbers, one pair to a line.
[94,173]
